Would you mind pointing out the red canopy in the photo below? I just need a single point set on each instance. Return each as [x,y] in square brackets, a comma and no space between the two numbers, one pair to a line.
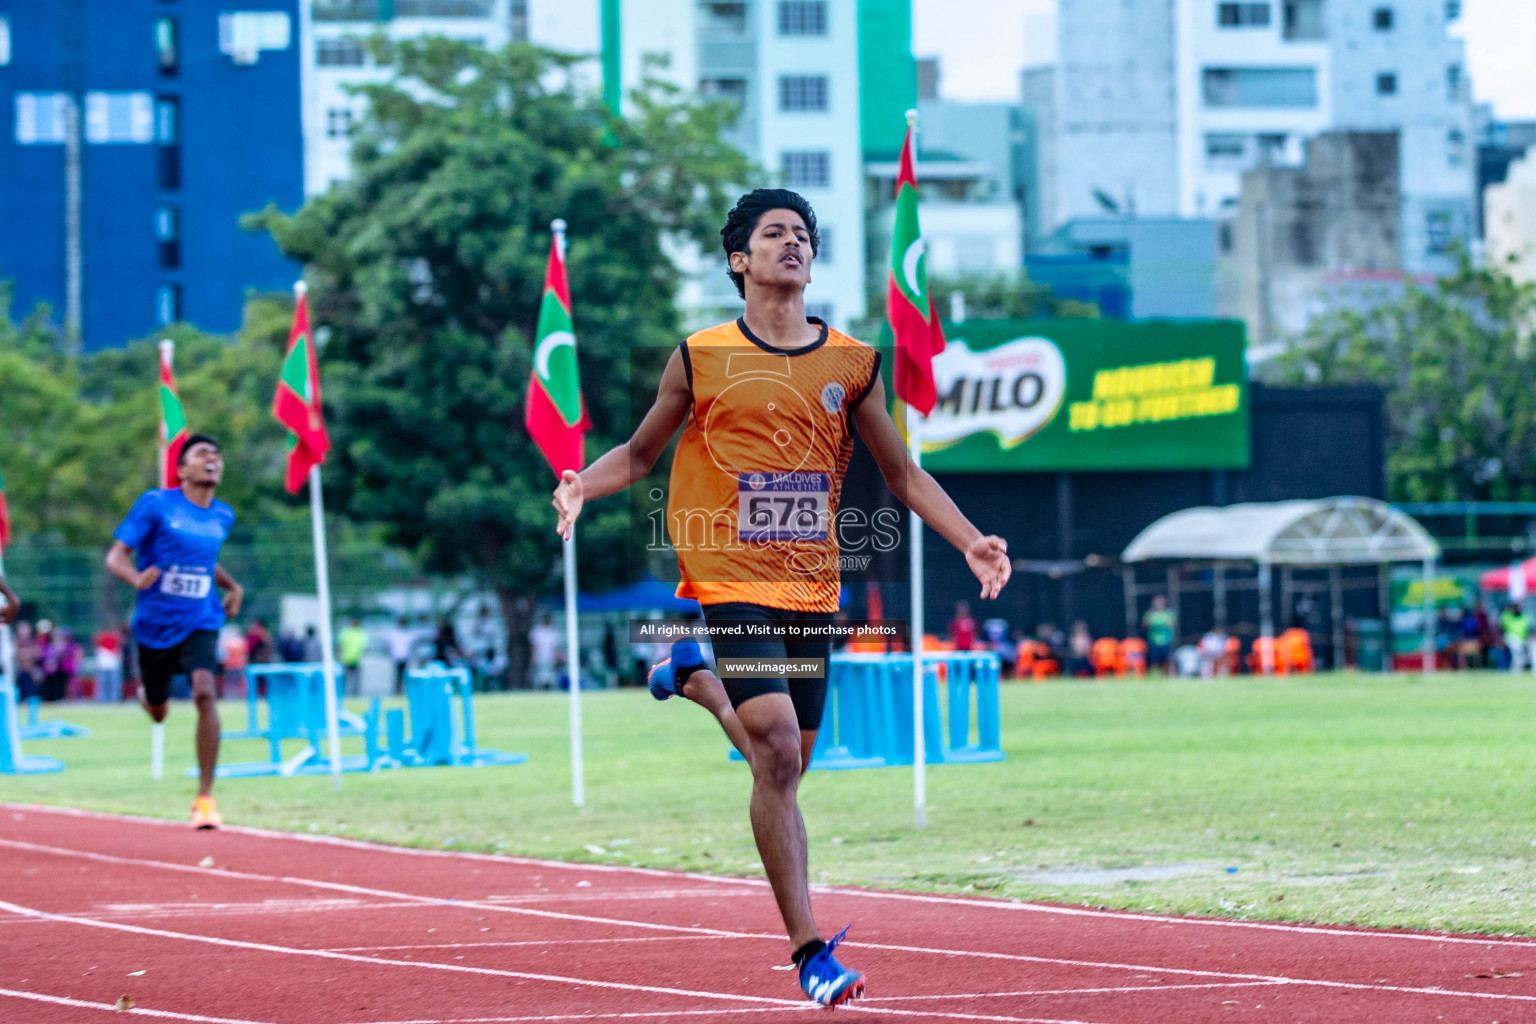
[1498,579]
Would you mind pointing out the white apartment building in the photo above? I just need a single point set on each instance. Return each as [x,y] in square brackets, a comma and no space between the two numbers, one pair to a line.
[792,65]
[333,32]
[1160,105]
[1509,211]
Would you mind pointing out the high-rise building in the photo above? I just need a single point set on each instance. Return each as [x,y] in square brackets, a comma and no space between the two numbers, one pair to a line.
[1159,106]
[136,133]
[822,84]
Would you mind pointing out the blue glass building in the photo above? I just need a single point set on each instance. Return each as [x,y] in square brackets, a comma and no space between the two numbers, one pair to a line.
[136,133]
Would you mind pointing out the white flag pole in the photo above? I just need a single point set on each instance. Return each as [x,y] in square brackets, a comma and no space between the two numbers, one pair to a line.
[572,652]
[157,729]
[323,593]
[915,525]
[8,691]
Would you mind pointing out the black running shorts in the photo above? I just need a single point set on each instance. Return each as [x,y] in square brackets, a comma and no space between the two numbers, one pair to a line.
[159,665]
[808,695]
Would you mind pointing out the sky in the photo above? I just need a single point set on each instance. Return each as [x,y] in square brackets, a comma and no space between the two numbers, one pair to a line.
[984,64]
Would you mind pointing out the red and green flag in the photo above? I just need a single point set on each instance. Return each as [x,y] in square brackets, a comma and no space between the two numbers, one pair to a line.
[297,402]
[908,305]
[173,422]
[5,518]
[555,415]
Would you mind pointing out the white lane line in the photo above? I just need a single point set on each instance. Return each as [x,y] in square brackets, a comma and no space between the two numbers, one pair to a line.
[537,942]
[435,901]
[142,1011]
[975,903]
[926,950]
[264,947]
[1110,990]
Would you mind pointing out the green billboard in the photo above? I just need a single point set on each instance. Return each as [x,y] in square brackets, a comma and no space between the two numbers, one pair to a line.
[1064,395]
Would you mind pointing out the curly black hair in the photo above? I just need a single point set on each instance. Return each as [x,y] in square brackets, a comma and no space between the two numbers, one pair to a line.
[749,209]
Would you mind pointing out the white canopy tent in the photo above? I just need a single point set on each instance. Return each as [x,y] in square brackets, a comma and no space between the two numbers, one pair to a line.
[1328,533]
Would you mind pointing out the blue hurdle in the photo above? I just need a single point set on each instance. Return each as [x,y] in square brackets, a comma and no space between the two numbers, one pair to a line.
[438,736]
[53,729]
[295,700]
[868,718]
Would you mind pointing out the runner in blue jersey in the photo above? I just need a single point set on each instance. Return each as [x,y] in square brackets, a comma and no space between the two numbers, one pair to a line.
[177,533]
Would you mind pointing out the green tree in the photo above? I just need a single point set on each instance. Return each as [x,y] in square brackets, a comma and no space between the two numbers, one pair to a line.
[1457,363]
[426,269]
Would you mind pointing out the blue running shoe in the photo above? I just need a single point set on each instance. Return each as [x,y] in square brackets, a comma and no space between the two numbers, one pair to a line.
[828,982]
[668,675]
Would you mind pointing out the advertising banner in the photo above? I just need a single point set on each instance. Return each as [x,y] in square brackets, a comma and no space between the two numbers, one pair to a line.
[1068,395]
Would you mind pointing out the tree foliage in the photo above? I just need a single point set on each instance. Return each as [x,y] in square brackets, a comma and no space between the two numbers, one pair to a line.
[426,268]
[1458,366]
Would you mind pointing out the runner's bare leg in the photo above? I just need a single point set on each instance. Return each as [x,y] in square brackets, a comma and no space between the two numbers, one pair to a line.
[774,733]
[704,688]
[207,729]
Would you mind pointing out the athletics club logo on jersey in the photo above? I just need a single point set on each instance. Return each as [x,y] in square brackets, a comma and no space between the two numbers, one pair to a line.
[832,398]
[757,481]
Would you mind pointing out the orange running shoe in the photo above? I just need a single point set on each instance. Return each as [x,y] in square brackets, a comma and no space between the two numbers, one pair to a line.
[205,813]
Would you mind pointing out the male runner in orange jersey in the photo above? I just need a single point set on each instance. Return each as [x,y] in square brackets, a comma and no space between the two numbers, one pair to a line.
[774,397]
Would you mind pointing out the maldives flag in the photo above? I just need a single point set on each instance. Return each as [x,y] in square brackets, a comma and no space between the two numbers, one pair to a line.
[5,518]
[173,422]
[297,402]
[909,307]
[555,415]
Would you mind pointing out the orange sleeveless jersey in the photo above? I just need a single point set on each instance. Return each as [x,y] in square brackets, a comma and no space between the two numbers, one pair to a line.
[759,468]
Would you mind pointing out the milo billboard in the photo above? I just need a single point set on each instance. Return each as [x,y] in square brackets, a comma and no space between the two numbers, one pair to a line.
[1065,395]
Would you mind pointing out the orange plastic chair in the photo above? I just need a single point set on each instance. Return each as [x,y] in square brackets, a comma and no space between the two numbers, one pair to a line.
[1104,657]
[1234,655]
[1133,655]
[1041,664]
[1277,664]
[1295,651]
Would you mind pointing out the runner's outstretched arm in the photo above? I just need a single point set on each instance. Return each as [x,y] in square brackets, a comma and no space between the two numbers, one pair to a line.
[234,593]
[120,564]
[12,604]
[633,459]
[913,486]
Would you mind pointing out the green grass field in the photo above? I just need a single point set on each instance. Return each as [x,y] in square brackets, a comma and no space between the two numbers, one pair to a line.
[1392,801]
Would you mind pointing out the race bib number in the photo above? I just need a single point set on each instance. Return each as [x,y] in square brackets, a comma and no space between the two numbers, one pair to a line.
[783,506]
[189,584]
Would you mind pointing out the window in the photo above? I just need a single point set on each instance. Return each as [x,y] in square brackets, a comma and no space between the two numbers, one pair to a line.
[1440,225]
[113,117]
[338,122]
[811,169]
[343,53]
[167,114]
[168,304]
[733,89]
[167,134]
[519,21]
[1452,10]
[802,17]
[168,234]
[1453,82]
[165,44]
[5,41]
[1455,147]
[42,118]
[1303,20]
[1225,149]
[824,249]
[1271,148]
[346,10]
[1386,84]
[1243,15]
[1260,87]
[442,8]
[819,310]
[725,17]
[1381,19]
[803,92]
[244,34]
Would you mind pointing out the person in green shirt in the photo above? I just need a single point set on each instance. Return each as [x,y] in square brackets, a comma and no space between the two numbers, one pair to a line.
[350,646]
[1517,632]
[1160,624]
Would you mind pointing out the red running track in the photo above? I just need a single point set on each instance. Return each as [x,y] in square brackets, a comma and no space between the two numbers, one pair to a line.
[245,926]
